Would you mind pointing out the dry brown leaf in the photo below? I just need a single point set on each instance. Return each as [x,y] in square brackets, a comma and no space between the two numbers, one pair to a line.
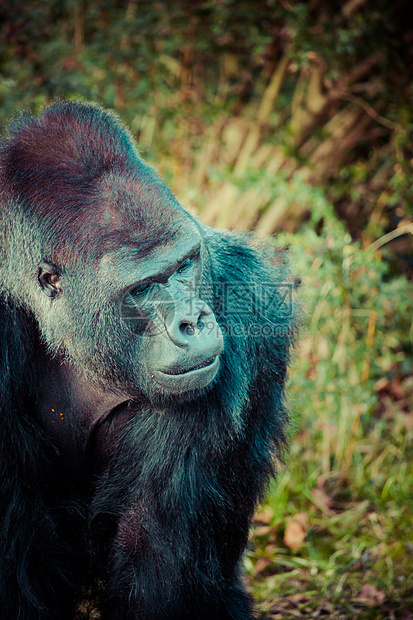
[264,517]
[322,500]
[261,564]
[290,603]
[263,530]
[296,531]
[302,517]
[370,596]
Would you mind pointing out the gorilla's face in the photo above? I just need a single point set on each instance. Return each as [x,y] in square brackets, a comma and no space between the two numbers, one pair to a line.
[138,320]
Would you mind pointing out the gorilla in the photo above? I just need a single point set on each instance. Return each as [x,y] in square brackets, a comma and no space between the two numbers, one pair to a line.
[143,364]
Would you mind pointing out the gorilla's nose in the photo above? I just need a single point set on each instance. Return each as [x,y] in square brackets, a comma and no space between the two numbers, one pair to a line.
[193,322]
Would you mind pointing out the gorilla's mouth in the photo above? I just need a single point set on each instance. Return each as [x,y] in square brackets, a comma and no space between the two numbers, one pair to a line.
[179,378]
[205,364]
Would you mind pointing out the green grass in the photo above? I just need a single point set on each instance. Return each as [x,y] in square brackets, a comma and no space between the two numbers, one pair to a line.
[357,525]
[335,537]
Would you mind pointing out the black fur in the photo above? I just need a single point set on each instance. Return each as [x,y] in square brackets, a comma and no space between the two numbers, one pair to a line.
[153,511]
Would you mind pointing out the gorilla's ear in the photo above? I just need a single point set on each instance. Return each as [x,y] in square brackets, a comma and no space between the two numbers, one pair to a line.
[49,279]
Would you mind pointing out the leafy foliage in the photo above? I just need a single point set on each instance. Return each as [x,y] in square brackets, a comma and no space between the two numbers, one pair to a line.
[334,539]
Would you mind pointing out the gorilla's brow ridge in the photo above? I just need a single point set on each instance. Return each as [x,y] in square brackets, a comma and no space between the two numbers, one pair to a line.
[132,272]
[167,269]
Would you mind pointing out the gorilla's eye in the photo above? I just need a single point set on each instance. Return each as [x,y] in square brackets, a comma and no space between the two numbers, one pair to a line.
[138,293]
[141,288]
[185,265]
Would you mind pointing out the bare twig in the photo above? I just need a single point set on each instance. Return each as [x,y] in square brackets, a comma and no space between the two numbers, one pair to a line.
[393,234]
[369,110]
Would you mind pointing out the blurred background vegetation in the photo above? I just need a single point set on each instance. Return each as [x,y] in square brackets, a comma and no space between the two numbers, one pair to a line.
[295,118]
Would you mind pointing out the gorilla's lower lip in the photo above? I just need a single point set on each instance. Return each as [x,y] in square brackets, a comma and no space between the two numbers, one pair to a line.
[194,378]
[205,364]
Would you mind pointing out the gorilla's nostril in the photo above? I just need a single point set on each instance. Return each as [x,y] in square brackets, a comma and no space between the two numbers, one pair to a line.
[189,328]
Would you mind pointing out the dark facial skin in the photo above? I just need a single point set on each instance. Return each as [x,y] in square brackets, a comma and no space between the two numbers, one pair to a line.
[180,338]
[171,341]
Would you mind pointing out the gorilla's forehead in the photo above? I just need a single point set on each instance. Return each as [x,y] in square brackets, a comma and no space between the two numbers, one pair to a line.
[137,196]
[133,209]
[129,264]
